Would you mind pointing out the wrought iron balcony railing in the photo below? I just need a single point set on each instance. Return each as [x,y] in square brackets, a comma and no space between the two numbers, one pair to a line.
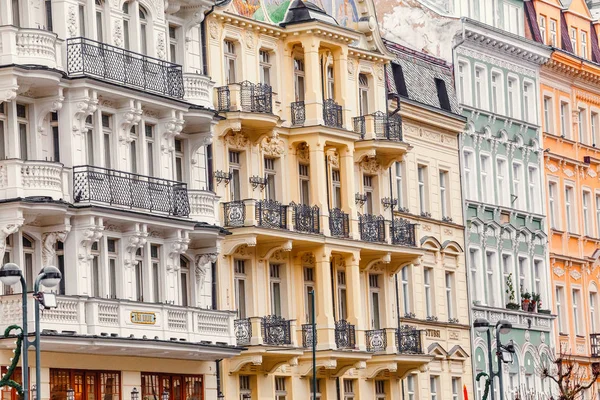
[243,331]
[403,232]
[271,214]
[595,344]
[276,330]
[376,340]
[86,57]
[332,114]
[339,223]
[124,189]
[245,96]
[379,126]
[298,113]
[345,335]
[308,336]
[409,340]
[306,218]
[372,228]
[234,213]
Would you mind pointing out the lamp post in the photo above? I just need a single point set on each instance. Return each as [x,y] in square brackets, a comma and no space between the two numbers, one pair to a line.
[314,344]
[49,277]
[502,328]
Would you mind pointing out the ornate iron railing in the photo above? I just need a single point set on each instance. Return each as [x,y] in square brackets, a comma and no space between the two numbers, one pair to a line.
[298,113]
[243,331]
[408,340]
[332,114]
[271,214]
[223,98]
[234,213]
[359,125]
[276,330]
[308,336]
[403,232]
[345,335]
[376,340]
[124,189]
[387,127]
[595,344]
[306,218]
[256,97]
[339,223]
[372,228]
[86,57]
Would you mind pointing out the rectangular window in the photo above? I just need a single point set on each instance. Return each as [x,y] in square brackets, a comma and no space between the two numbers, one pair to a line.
[474,264]
[542,25]
[112,267]
[553,35]
[552,204]
[586,208]
[480,81]
[538,276]
[399,184]
[490,262]
[534,191]
[507,269]
[427,282]
[462,79]
[517,185]
[548,121]
[177,387]
[593,301]
[368,188]
[107,127]
[154,256]
[309,287]
[564,115]
[583,45]
[23,125]
[303,172]
[422,176]
[234,168]
[522,274]
[487,187]
[139,276]
[577,311]
[433,387]
[363,94]
[55,136]
[276,286]
[444,193]
[2,130]
[513,105]
[348,389]
[280,389]
[95,273]
[496,92]
[470,189]
[574,40]
[230,62]
[456,389]
[559,294]
[330,83]
[149,129]
[82,30]
[312,392]
[379,390]
[245,390]
[240,288]
[179,160]
[336,188]
[594,130]
[598,214]
[502,182]
[450,294]
[265,67]
[341,283]
[528,95]
[404,275]
[99,25]
[375,301]
[173,44]
[569,208]
[299,82]
[410,387]
[86,384]
[581,126]
[270,174]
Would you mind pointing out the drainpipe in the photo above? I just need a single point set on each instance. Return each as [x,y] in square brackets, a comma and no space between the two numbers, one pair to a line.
[218,373]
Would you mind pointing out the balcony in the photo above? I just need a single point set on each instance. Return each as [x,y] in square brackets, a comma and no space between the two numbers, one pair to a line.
[95,185]
[245,96]
[270,214]
[198,89]
[79,315]
[20,179]
[332,114]
[29,47]
[595,345]
[345,335]
[306,218]
[86,57]
[298,111]
[308,336]
[403,232]
[379,126]
[339,223]
[376,340]
[408,340]
[203,206]
[372,228]
[275,331]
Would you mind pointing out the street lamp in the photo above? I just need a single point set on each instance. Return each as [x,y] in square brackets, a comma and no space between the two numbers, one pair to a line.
[503,327]
[165,395]
[49,277]
[135,394]
[70,394]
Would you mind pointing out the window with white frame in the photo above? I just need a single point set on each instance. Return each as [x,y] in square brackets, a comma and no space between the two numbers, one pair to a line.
[443,175]
[375,296]
[150,148]
[304,175]
[330,82]
[582,125]
[94,264]
[569,212]
[513,105]
[468,169]
[564,119]
[592,308]
[528,102]
[368,188]
[462,82]
[405,277]
[456,389]
[474,265]
[480,82]
[173,43]
[107,133]
[336,188]
[434,382]
[399,168]
[363,94]
[349,389]
[507,269]
[380,390]
[496,92]
[139,275]
[99,14]
[487,187]
[276,285]
[133,138]
[518,185]
[240,287]
[502,181]
[143,23]
[179,159]
[410,387]
[542,25]
[427,284]
[491,281]
[3,130]
[538,278]
[548,120]
[245,390]
[126,26]
[270,175]
[156,273]
[583,45]
[560,301]
[422,181]
[341,291]
[577,307]
[594,131]
[230,62]
[450,294]
[235,170]
[573,36]
[553,204]
[81,14]
[265,67]
[522,274]
[184,281]
[299,82]
[318,393]
[553,35]
[88,139]
[111,247]
[586,207]
[534,189]
[280,388]
[309,287]
[23,127]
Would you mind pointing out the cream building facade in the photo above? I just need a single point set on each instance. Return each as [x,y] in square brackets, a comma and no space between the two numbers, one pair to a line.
[106,122]
[305,165]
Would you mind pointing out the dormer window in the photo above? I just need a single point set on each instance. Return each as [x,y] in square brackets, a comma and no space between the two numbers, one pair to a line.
[574,40]
[553,36]
[363,94]
[583,44]
[543,28]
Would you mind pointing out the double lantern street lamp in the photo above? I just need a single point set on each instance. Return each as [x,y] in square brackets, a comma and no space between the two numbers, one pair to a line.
[49,277]
[504,352]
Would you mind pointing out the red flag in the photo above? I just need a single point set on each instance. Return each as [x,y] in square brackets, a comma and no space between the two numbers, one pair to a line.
[465,394]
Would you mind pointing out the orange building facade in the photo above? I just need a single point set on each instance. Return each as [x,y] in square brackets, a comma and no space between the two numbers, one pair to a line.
[570,108]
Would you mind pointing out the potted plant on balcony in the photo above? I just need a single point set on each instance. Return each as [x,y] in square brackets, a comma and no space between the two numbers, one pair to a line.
[535,302]
[510,291]
[525,300]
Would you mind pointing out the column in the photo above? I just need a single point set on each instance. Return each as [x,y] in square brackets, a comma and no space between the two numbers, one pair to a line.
[343,95]
[348,189]
[354,298]
[313,86]
[324,300]
[318,182]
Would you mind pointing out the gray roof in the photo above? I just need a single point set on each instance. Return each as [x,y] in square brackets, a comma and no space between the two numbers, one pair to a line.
[420,71]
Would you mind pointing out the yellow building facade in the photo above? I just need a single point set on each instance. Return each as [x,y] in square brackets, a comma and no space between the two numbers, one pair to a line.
[330,186]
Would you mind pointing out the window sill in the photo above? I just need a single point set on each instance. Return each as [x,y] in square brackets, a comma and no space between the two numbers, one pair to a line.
[563,334]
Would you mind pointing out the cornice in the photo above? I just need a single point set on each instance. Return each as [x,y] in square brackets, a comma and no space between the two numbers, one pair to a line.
[574,67]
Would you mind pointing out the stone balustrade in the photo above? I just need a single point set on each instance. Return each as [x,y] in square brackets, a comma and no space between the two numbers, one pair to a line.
[30,47]
[198,89]
[19,178]
[203,206]
[122,318]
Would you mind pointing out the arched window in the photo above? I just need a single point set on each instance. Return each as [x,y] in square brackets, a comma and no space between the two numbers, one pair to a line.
[143,30]
[126,35]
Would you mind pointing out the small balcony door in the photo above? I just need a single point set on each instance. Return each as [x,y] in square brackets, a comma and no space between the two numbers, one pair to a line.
[374,296]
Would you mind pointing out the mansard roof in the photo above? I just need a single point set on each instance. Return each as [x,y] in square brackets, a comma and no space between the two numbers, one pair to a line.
[417,72]
[305,11]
